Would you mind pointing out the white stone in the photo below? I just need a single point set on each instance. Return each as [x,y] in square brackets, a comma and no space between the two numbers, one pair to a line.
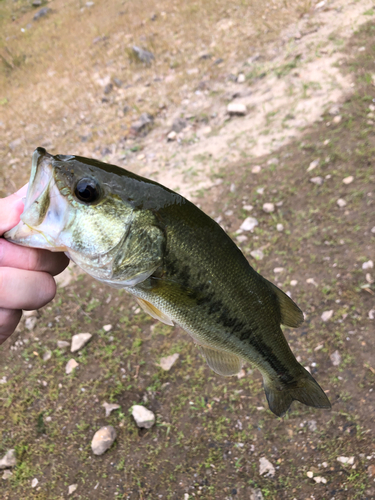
[143,417]
[9,459]
[278,270]
[311,281]
[373,230]
[241,238]
[312,425]
[256,169]
[236,109]
[327,315]
[317,180]
[257,254]
[309,474]
[47,355]
[72,488]
[335,358]
[368,265]
[103,440]
[29,314]
[107,328]
[293,283]
[280,228]
[241,78]
[34,482]
[320,479]
[241,374]
[268,208]
[172,136]
[371,314]
[248,208]
[30,323]
[341,203]
[7,474]
[260,190]
[62,344]
[313,165]
[346,460]
[167,362]
[337,119]
[109,407]
[79,340]
[265,467]
[249,224]
[70,366]
[348,180]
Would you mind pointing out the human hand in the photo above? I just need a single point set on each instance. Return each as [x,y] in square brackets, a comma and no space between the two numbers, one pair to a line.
[26,280]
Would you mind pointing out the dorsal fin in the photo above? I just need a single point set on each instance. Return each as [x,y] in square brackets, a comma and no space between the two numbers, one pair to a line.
[291,314]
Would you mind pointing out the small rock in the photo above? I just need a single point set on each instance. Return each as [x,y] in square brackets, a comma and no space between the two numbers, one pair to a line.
[42,13]
[311,281]
[248,208]
[62,344]
[293,283]
[248,224]
[317,180]
[107,328]
[373,230]
[167,362]
[103,440]
[241,374]
[257,254]
[47,355]
[278,270]
[241,78]
[110,407]
[256,169]
[37,3]
[335,358]
[241,238]
[320,479]
[108,88]
[312,425]
[334,110]
[327,315]
[368,265]
[265,467]
[178,125]
[70,366]
[29,314]
[370,470]
[143,125]
[8,460]
[172,136]
[348,180]
[313,165]
[7,474]
[143,417]
[79,340]
[310,474]
[260,190]
[337,119]
[30,323]
[341,203]
[346,460]
[143,55]
[268,208]
[279,227]
[256,494]
[34,482]
[236,109]
[371,314]
[72,488]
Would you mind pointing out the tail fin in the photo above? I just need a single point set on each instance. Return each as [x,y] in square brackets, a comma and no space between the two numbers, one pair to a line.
[306,390]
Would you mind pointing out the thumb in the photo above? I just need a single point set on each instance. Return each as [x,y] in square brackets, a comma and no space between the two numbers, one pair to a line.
[11,208]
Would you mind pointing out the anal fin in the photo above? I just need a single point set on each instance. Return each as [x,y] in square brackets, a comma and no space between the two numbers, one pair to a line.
[154,312]
[221,362]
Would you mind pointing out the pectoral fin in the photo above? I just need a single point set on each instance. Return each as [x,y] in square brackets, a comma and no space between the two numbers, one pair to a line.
[154,312]
[221,362]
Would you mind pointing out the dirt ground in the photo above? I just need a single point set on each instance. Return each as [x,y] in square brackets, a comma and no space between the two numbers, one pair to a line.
[71,82]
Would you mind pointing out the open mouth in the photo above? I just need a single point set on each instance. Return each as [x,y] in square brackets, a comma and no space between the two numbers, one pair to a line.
[44,214]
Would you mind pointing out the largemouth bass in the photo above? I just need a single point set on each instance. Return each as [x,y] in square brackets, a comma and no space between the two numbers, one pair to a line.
[133,233]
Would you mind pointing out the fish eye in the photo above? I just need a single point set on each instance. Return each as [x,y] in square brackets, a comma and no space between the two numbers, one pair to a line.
[87,190]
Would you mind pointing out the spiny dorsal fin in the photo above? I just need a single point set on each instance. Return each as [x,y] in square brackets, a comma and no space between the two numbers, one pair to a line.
[154,312]
[291,314]
[221,362]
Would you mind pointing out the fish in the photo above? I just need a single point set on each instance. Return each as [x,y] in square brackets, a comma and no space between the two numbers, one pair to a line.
[183,269]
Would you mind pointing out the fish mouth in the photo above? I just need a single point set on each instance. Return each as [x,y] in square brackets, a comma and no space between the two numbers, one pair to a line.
[45,211]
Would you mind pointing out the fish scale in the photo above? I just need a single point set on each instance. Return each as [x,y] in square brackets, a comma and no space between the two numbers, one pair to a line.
[133,233]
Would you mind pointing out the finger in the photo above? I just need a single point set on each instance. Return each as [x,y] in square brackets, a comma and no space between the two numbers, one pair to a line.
[31,259]
[21,289]
[11,208]
[9,320]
